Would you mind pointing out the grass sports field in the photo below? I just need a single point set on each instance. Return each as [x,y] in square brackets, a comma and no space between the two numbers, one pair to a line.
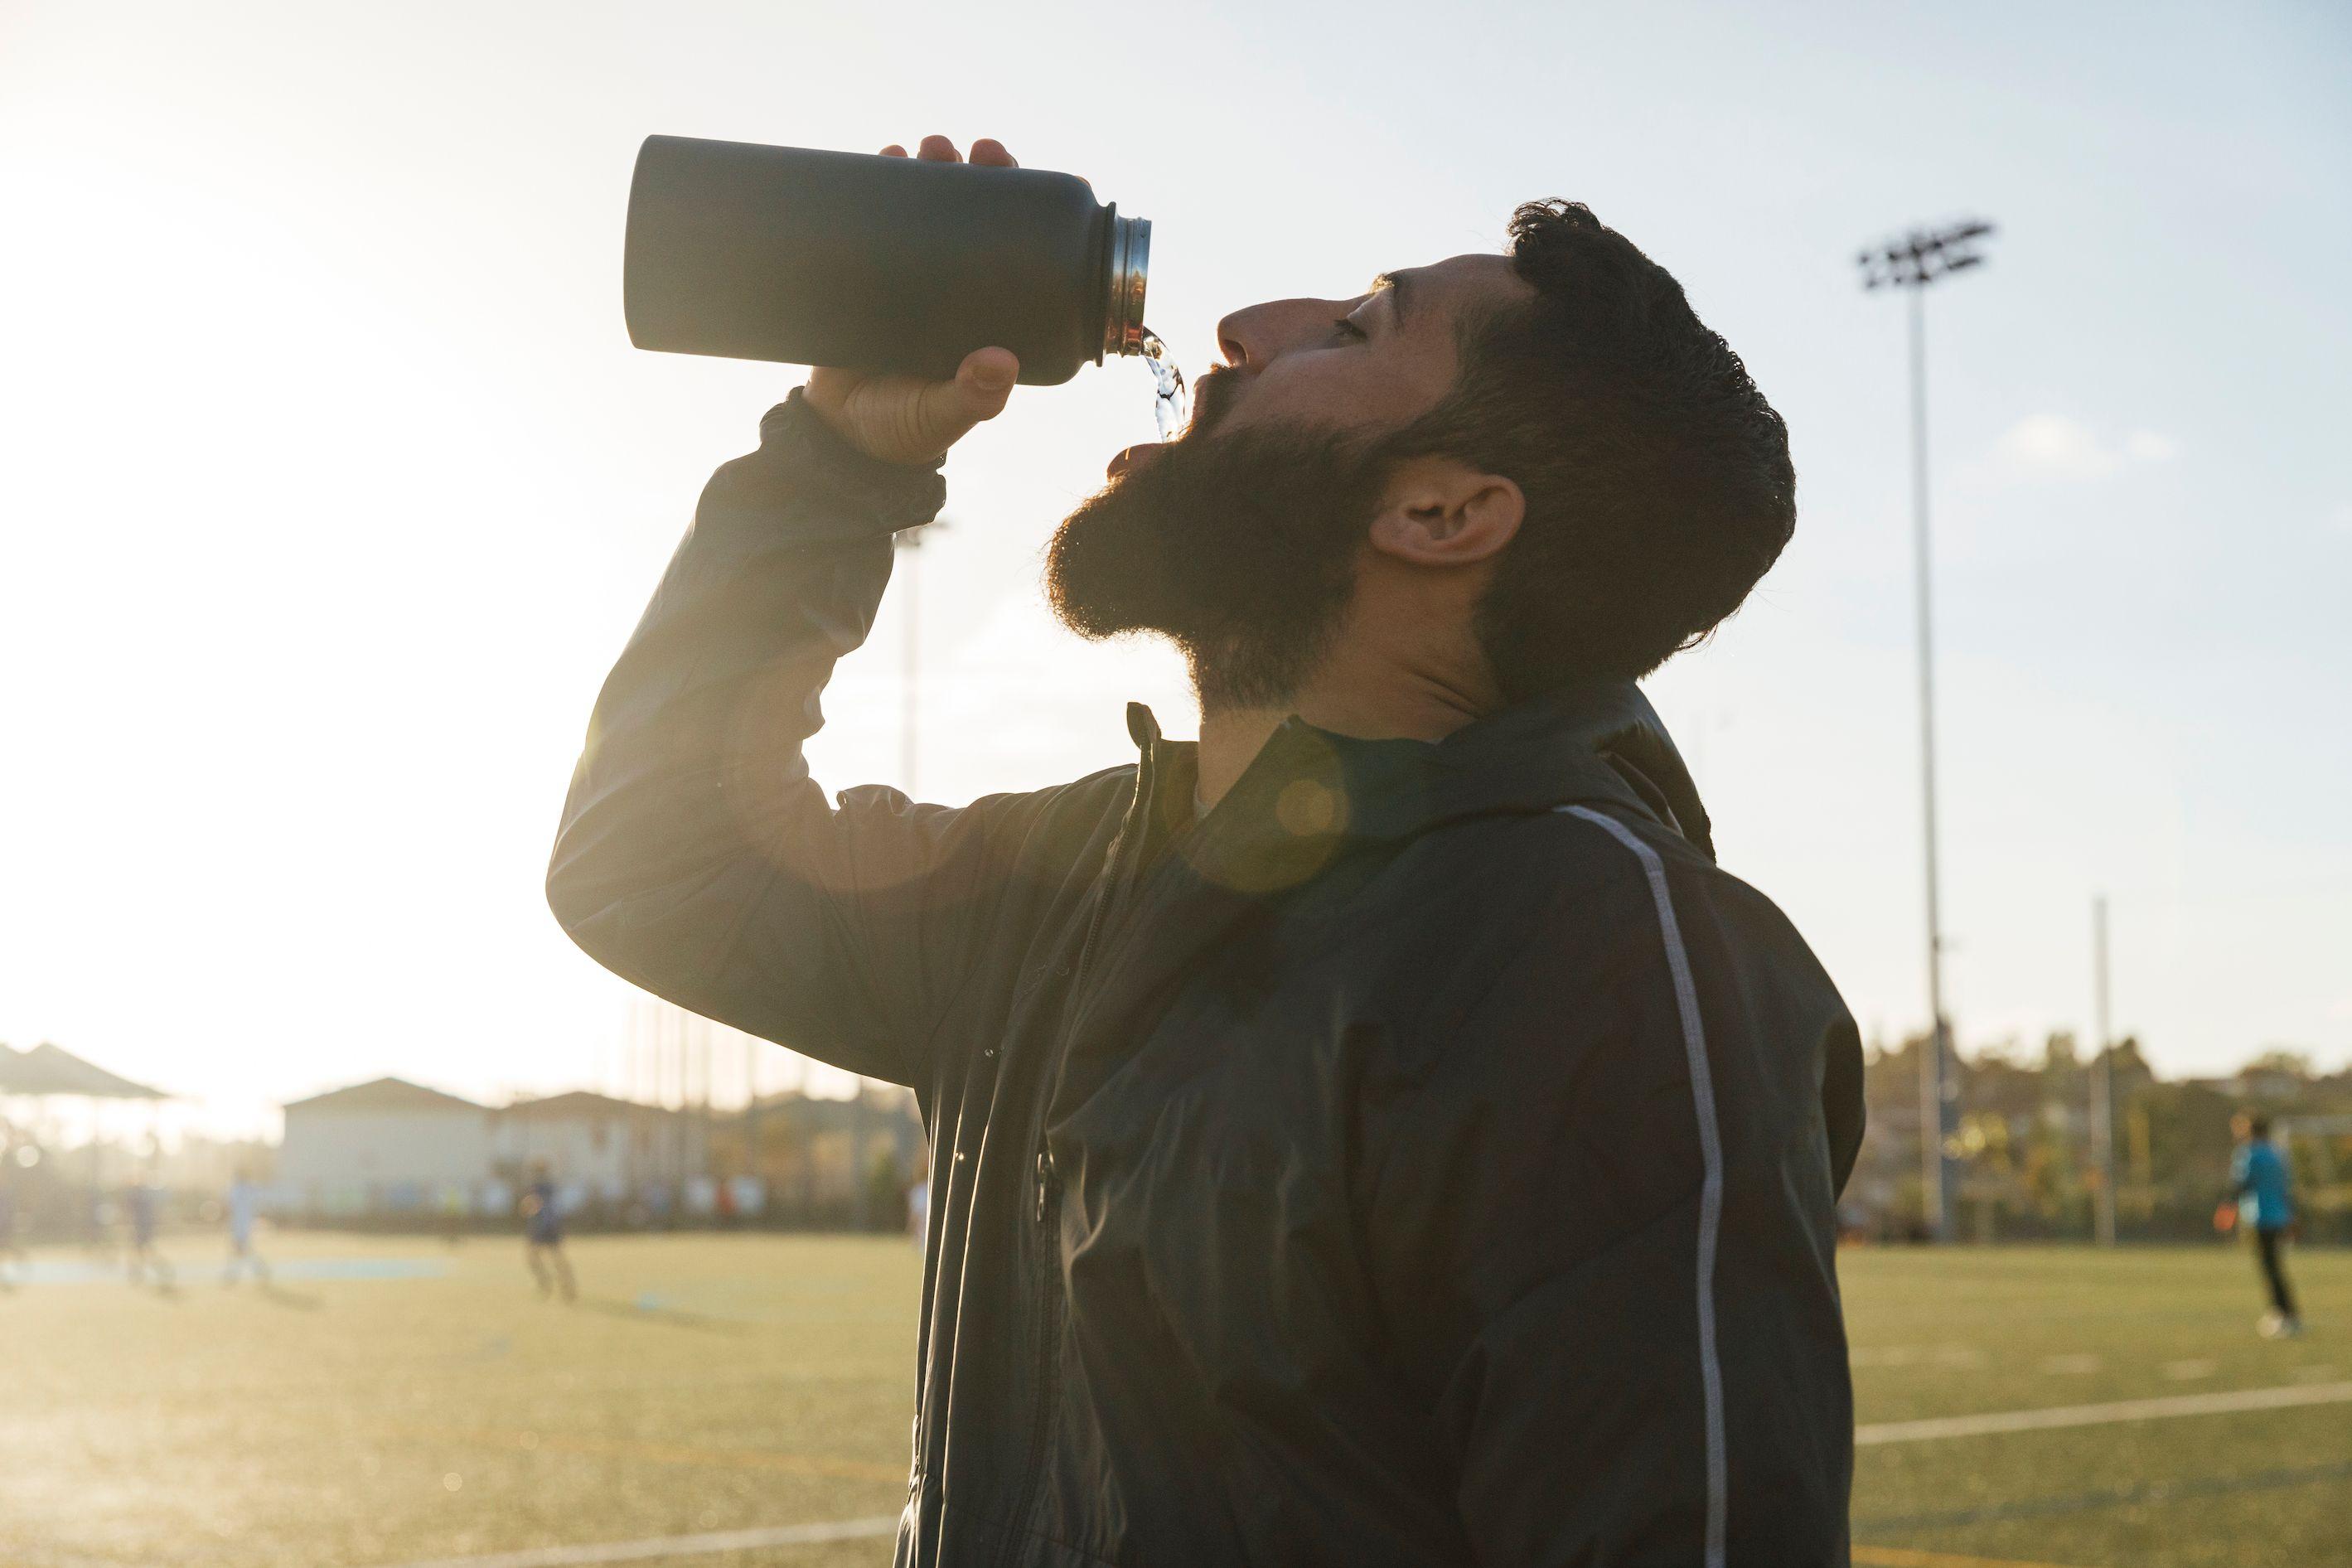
[727,1402]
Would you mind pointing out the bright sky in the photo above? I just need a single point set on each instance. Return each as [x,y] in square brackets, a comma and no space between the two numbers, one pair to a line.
[329,484]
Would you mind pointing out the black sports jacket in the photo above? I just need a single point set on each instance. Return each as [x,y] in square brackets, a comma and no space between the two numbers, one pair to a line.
[1427,1157]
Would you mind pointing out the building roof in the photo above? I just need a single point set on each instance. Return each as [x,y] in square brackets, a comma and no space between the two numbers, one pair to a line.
[48,1069]
[877,1109]
[584,1102]
[384,1094]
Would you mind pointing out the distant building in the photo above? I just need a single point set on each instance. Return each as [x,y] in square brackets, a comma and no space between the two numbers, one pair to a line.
[48,1070]
[610,1148]
[390,1148]
[387,1144]
[826,1157]
[2267,1082]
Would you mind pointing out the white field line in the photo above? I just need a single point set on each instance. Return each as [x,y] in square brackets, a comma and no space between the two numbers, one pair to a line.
[2102,1414]
[672,1545]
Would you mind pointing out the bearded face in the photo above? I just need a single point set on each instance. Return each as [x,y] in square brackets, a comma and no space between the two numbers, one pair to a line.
[1239,546]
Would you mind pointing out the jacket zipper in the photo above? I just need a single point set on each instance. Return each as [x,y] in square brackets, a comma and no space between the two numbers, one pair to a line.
[1050,1369]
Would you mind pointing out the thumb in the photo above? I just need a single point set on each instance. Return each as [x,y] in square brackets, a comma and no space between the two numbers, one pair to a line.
[986,380]
[945,410]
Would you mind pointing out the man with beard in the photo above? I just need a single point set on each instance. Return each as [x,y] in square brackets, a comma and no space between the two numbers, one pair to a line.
[1376,1133]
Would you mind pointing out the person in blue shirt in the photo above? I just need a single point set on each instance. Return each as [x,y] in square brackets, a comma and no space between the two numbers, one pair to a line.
[542,1235]
[2258,1177]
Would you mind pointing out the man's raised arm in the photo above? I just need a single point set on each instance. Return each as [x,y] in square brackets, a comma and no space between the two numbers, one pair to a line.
[697,856]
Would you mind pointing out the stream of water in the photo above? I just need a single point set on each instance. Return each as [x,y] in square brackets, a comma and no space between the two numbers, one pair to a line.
[1172,404]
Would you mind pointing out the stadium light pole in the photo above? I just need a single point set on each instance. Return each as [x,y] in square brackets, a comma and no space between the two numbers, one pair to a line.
[910,539]
[750,1106]
[1918,258]
[2103,1081]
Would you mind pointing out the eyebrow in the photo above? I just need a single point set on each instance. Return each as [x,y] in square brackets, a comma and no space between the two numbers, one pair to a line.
[1400,283]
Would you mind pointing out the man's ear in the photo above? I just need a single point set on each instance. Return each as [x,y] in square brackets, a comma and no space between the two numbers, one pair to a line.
[1440,511]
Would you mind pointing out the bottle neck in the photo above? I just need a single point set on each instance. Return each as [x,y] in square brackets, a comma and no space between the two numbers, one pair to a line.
[1129,267]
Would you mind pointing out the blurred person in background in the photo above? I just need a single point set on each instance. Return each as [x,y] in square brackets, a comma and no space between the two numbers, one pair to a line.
[1378,1132]
[2262,1202]
[142,1206]
[13,1260]
[243,1213]
[455,1205]
[542,1236]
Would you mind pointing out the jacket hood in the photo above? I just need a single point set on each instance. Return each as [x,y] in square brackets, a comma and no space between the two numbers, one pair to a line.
[1590,744]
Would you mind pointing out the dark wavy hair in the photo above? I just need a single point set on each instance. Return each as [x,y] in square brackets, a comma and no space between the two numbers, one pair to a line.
[1658,483]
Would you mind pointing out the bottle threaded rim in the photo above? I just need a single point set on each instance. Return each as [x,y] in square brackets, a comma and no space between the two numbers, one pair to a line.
[1130,266]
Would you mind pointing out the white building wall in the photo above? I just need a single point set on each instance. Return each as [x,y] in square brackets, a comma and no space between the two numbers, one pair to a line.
[330,1151]
[608,1154]
[588,1149]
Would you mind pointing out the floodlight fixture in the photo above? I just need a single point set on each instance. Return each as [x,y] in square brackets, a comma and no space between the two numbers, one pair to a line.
[1924,255]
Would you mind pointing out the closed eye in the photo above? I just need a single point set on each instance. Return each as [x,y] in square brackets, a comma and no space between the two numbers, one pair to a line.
[1344,328]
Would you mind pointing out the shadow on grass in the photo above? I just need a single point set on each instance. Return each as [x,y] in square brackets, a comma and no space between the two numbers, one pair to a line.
[645,1312]
[278,1295]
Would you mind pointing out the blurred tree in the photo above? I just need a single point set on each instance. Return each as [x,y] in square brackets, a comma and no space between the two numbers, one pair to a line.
[2024,1139]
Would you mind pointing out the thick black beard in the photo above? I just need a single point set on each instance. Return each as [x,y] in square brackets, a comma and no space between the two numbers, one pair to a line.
[1239,547]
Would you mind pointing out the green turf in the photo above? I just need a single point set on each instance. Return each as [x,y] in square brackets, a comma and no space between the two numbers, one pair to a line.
[1970,1330]
[718,1384]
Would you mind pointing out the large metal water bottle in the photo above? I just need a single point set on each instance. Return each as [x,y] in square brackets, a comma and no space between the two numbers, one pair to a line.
[884,264]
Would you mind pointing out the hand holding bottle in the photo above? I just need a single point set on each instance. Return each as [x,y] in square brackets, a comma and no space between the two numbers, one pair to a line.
[904,419]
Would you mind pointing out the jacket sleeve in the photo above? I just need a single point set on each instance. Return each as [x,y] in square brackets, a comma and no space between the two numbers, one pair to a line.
[1600,1220]
[696,858]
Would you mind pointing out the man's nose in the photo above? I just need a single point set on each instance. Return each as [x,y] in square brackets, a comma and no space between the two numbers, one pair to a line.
[1251,338]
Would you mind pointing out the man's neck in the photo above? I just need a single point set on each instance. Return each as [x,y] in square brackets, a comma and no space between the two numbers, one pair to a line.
[1369,705]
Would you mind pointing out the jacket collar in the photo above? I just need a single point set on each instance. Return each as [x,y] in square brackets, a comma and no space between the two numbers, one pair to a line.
[1309,792]
[1309,796]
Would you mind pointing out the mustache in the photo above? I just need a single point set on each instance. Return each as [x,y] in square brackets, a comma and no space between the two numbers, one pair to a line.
[1212,398]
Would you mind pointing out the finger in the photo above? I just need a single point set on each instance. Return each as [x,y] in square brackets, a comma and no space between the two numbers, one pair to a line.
[988,375]
[894,151]
[981,384]
[938,150]
[989,153]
